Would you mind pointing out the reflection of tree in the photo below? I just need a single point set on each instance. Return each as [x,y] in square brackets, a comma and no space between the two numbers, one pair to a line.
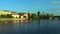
[15,21]
[29,25]
[23,21]
[38,25]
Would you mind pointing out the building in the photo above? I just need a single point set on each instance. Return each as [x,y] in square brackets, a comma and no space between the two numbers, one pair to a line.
[4,12]
[23,15]
[15,15]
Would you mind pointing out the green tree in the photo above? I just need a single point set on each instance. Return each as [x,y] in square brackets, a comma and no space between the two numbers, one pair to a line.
[38,13]
[9,16]
[34,16]
[6,16]
[3,16]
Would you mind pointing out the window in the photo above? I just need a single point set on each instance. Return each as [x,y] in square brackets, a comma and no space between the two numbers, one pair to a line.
[24,16]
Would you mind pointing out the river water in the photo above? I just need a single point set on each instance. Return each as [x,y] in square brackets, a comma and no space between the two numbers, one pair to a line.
[30,27]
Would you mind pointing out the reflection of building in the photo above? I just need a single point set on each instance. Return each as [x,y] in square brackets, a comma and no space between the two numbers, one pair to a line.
[4,12]
[16,21]
[15,15]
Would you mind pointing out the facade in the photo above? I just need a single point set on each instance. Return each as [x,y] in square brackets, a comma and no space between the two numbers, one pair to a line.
[23,15]
[15,15]
[4,12]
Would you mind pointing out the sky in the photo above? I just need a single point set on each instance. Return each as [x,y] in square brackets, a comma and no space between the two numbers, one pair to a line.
[46,6]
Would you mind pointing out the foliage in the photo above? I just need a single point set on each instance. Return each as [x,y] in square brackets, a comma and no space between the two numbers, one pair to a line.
[6,16]
[34,16]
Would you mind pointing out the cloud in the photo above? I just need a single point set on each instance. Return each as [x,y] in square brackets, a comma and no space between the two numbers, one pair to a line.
[55,2]
[52,9]
[38,3]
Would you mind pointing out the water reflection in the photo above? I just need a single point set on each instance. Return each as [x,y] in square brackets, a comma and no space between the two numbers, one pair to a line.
[30,27]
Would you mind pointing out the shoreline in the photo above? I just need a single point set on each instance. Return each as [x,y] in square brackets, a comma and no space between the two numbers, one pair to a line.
[11,19]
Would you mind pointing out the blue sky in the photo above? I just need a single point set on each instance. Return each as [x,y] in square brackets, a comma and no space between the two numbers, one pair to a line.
[47,6]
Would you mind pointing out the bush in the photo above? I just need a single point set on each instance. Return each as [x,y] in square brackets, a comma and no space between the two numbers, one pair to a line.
[6,16]
[34,16]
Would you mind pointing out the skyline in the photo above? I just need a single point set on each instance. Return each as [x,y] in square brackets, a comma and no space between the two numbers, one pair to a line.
[47,6]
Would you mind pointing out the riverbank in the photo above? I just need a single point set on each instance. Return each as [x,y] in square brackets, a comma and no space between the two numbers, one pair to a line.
[11,19]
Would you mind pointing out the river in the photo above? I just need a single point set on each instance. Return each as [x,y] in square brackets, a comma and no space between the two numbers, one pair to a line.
[30,27]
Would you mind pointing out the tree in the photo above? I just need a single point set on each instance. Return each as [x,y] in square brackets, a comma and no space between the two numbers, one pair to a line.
[34,16]
[9,16]
[6,16]
[38,13]
[29,15]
